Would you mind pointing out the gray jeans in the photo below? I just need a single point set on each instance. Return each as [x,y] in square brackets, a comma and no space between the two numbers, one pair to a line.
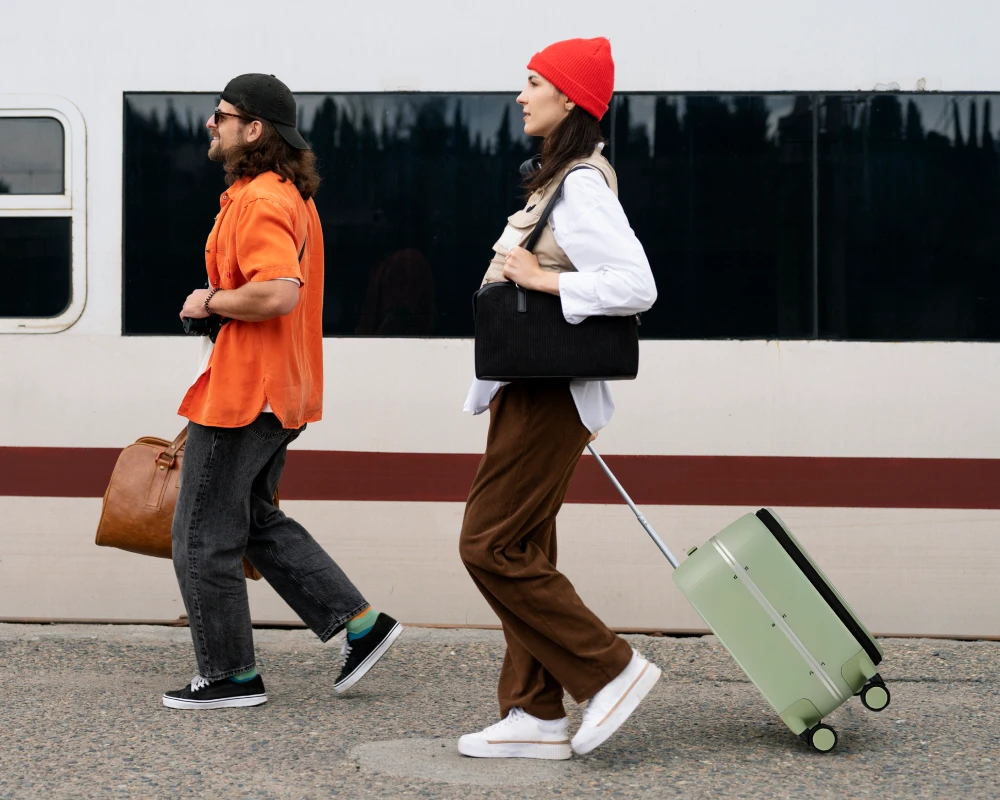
[225,510]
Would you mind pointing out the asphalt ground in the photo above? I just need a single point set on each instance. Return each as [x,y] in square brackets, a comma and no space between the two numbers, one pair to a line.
[80,717]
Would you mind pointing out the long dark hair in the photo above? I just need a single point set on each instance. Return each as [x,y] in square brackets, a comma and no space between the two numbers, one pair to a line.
[573,138]
[271,153]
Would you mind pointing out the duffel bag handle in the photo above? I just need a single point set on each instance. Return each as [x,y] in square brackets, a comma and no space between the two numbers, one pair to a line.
[166,457]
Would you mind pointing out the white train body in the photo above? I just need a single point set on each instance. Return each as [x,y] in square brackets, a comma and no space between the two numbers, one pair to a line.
[75,385]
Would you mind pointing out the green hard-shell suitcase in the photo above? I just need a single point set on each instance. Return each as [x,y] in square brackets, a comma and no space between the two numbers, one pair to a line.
[781,619]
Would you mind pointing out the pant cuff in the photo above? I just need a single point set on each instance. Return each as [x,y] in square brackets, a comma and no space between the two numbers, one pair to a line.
[609,675]
[218,676]
[546,712]
[341,622]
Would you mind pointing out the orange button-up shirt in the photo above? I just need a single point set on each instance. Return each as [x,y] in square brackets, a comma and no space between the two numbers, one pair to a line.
[257,236]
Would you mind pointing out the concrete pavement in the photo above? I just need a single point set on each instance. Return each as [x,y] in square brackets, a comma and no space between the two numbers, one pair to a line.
[80,717]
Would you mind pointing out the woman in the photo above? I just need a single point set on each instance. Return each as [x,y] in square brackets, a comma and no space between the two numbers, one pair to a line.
[589,257]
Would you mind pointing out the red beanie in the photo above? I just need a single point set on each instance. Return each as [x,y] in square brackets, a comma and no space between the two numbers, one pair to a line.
[581,69]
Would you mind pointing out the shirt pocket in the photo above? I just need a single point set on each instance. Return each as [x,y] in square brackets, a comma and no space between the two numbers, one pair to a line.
[519,227]
[224,266]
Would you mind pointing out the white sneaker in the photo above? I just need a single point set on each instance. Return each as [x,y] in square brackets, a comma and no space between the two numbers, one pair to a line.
[611,706]
[520,735]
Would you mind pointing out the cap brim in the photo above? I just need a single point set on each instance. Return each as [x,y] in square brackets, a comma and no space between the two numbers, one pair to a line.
[291,135]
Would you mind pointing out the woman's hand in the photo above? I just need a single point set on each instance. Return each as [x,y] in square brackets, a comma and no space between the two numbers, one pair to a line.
[521,267]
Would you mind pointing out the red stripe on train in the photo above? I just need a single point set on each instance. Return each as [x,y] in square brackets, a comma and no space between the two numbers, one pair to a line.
[651,480]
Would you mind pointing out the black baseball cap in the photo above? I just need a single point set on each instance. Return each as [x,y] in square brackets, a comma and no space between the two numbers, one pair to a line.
[266,97]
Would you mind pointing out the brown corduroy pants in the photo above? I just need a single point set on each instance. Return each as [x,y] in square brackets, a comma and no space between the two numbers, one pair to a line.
[508,545]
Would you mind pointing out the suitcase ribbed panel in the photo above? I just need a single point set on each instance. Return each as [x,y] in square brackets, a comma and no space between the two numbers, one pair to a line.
[539,343]
[821,585]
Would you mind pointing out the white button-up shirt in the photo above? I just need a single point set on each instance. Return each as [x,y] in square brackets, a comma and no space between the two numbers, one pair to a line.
[612,278]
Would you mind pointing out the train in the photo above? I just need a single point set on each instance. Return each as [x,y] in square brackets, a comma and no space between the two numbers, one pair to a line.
[816,189]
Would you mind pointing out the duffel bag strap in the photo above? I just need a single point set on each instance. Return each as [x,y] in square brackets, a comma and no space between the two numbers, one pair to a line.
[167,457]
[165,461]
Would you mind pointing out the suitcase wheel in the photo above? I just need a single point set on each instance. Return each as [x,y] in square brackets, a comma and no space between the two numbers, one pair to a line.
[875,694]
[821,738]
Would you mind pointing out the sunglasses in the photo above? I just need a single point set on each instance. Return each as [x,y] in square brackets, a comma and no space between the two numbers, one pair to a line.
[220,114]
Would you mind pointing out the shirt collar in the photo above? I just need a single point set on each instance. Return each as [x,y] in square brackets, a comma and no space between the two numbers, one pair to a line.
[233,191]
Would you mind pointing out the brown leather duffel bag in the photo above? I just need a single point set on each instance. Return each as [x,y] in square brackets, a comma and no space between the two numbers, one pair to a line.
[139,503]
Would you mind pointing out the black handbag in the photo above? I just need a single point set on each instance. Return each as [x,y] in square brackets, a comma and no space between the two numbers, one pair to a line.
[522,334]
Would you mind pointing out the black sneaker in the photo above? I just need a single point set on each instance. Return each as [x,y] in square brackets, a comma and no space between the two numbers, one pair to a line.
[360,655]
[203,694]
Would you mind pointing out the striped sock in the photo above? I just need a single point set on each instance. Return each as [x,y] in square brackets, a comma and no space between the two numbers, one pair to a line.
[361,624]
[243,677]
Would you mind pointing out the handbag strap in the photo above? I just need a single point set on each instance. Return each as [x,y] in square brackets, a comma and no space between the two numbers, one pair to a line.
[543,220]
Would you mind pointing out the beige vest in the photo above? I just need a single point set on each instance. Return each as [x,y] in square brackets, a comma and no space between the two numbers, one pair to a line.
[520,224]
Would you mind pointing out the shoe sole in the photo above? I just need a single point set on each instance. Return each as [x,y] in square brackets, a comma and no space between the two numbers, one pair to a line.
[369,662]
[549,751]
[208,705]
[630,702]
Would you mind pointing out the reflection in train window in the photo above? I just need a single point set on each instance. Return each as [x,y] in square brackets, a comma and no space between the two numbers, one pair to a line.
[416,188]
[764,216]
[31,155]
[909,199]
[36,262]
[718,188]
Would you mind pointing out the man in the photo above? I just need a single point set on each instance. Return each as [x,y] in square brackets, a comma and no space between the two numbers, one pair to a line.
[258,387]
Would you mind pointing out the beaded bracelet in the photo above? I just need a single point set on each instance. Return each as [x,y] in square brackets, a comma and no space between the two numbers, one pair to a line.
[210,295]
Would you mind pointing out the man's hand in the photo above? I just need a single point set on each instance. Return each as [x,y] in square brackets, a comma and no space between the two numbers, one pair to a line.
[194,306]
[521,267]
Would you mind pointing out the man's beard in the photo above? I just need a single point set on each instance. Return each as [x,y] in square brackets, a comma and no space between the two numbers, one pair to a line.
[230,155]
[215,151]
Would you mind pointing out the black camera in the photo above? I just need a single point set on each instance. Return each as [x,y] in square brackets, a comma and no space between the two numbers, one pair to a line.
[207,326]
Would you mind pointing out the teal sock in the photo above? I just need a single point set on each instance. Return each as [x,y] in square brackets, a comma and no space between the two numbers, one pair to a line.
[243,677]
[361,624]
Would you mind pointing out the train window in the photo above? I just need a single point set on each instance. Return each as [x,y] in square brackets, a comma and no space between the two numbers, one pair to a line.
[36,256]
[42,213]
[909,197]
[416,188]
[31,156]
[764,216]
[718,188]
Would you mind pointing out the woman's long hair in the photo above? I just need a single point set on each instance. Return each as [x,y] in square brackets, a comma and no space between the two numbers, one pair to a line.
[573,138]
[271,153]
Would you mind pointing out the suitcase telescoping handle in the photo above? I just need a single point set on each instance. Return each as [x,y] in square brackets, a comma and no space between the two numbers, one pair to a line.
[642,520]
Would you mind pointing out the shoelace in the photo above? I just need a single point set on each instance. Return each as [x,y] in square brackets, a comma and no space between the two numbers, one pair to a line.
[198,683]
[345,648]
[514,715]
